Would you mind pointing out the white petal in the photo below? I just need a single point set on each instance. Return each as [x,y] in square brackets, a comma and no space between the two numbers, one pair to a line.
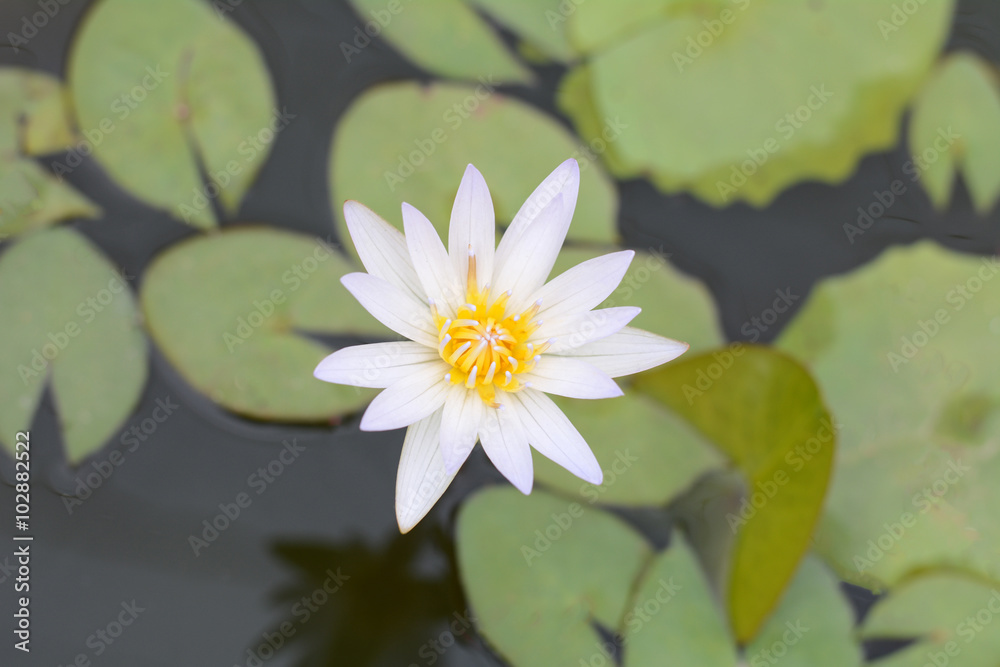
[421,478]
[584,286]
[570,377]
[409,400]
[472,228]
[533,256]
[552,434]
[430,259]
[506,444]
[564,180]
[381,247]
[629,351]
[572,331]
[393,307]
[463,413]
[376,365]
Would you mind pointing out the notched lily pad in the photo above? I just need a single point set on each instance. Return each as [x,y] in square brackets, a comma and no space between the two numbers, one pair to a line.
[69,318]
[162,89]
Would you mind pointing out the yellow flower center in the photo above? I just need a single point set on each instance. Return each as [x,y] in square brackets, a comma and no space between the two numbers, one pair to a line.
[486,346]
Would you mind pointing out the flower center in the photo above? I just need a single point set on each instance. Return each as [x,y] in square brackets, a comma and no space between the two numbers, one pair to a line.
[486,346]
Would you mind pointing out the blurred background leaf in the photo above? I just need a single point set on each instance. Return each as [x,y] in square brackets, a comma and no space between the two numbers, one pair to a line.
[738,100]
[956,126]
[897,346]
[175,102]
[33,121]
[69,317]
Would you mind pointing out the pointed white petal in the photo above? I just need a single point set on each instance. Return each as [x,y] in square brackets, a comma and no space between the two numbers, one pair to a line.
[472,228]
[376,365]
[393,307]
[570,377]
[572,331]
[533,256]
[629,351]
[463,413]
[381,247]
[552,434]
[408,401]
[506,444]
[584,286]
[421,478]
[565,181]
[430,259]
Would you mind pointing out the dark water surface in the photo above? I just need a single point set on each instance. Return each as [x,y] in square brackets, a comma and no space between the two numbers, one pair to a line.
[315,561]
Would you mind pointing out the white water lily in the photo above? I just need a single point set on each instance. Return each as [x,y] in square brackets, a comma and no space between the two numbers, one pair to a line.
[488,338]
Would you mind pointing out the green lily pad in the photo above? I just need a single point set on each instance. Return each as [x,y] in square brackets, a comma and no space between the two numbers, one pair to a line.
[446,37]
[660,454]
[813,625]
[739,100]
[540,571]
[674,613]
[163,88]
[68,316]
[410,143]
[33,121]
[952,617]
[763,410]
[956,125]
[227,310]
[918,474]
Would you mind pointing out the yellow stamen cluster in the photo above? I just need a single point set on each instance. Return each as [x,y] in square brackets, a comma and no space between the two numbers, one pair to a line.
[486,347]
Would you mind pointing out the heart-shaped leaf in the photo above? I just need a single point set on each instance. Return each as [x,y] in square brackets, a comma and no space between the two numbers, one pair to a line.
[540,572]
[956,125]
[68,316]
[164,89]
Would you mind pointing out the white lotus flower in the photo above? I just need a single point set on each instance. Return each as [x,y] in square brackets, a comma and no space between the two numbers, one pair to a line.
[488,338]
